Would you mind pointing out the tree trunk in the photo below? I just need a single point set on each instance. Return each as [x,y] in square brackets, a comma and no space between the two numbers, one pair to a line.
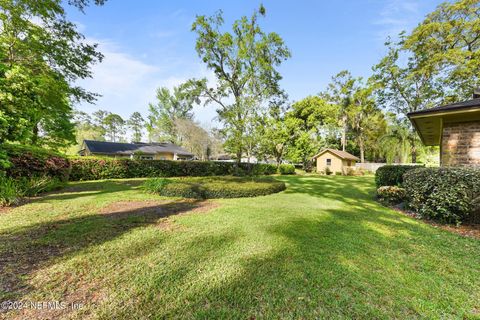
[413,149]
[362,150]
[35,135]
[344,132]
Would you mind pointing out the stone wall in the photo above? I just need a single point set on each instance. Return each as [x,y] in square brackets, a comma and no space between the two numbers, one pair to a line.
[461,144]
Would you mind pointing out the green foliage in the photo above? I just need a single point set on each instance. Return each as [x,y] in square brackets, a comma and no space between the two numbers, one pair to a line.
[12,190]
[28,162]
[136,124]
[447,45]
[391,175]
[391,194]
[86,168]
[114,127]
[244,62]
[213,187]
[8,191]
[169,107]
[42,56]
[286,169]
[447,194]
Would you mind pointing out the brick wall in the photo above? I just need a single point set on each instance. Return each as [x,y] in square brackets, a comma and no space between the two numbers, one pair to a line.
[461,144]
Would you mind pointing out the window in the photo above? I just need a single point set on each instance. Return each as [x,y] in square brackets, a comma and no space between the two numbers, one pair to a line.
[163,158]
[329,162]
[146,157]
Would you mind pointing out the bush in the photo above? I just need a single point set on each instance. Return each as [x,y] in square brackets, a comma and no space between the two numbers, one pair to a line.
[90,168]
[391,175]
[29,162]
[391,194]
[8,191]
[213,187]
[286,169]
[12,190]
[328,171]
[447,194]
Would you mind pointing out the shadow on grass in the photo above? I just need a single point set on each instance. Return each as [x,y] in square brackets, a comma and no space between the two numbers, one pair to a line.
[358,262]
[336,268]
[39,245]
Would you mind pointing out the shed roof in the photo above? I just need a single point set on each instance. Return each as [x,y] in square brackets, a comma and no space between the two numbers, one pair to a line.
[341,154]
[104,147]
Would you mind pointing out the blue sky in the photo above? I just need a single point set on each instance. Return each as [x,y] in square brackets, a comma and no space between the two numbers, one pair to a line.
[148,44]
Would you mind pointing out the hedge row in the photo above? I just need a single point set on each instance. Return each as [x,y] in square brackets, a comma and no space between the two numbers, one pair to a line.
[87,168]
[450,195]
[32,162]
[391,175]
[213,187]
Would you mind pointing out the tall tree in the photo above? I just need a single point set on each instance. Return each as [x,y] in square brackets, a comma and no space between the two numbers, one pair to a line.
[447,45]
[364,118]
[41,57]
[274,132]
[308,122]
[195,138]
[244,63]
[136,123]
[115,127]
[405,87]
[340,92]
[170,106]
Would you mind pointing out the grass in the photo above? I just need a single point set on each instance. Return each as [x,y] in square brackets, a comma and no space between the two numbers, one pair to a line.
[321,249]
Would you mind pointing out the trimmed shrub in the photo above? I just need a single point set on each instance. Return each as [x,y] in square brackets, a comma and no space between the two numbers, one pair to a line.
[92,168]
[391,194]
[29,162]
[447,194]
[213,187]
[286,169]
[391,175]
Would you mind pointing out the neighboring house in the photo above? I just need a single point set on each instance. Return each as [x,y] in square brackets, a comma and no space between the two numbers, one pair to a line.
[455,128]
[139,150]
[335,161]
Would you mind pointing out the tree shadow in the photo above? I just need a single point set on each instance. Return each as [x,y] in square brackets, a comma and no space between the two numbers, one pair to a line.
[38,246]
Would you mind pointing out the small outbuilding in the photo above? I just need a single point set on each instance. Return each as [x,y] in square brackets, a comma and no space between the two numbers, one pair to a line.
[455,128]
[335,161]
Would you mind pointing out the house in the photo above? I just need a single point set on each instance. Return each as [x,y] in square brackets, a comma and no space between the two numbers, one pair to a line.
[455,128]
[335,161]
[139,150]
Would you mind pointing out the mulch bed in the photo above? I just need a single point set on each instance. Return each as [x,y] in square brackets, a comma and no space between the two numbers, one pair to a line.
[470,230]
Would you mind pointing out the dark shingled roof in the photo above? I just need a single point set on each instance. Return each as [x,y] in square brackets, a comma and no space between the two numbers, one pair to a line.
[342,154]
[469,104]
[104,147]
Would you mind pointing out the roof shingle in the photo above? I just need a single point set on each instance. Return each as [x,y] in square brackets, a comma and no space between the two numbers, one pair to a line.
[104,147]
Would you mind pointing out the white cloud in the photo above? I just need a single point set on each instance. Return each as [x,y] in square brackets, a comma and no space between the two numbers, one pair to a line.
[397,16]
[128,84]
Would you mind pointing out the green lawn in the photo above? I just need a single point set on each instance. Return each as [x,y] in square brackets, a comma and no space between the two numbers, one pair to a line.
[321,249]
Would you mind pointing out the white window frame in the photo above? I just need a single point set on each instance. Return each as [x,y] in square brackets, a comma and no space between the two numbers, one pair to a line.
[328,164]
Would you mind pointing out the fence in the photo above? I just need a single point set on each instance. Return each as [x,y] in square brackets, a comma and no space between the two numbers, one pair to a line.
[373,166]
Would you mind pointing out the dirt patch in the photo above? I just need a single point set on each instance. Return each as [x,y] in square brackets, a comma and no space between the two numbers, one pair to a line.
[155,209]
[465,230]
[4,210]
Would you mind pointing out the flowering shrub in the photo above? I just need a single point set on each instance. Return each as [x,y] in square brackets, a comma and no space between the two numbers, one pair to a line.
[32,162]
